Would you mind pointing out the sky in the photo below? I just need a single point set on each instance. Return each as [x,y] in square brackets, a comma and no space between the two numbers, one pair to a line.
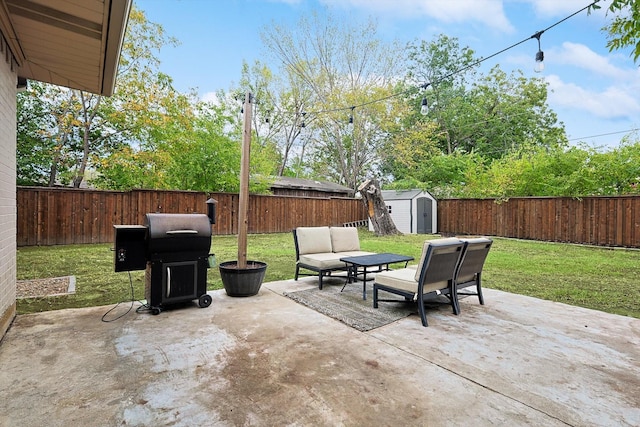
[595,93]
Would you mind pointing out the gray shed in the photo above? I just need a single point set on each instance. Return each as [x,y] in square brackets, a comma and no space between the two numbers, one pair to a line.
[412,211]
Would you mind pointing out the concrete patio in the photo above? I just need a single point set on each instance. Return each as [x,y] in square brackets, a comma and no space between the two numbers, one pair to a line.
[267,360]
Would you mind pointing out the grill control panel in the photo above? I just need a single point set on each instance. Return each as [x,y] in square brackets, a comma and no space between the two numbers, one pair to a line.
[130,247]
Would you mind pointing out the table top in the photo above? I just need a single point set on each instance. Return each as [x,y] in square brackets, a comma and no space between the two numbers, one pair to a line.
[376,259]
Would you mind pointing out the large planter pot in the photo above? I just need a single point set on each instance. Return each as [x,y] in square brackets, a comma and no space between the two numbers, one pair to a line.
[243,282]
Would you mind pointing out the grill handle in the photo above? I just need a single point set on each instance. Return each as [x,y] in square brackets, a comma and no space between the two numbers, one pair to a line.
[178,232]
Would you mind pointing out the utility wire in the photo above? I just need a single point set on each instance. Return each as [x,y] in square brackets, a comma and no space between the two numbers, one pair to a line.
[605,134]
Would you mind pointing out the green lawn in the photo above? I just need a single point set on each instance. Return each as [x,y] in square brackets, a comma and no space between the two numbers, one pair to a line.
[598,278]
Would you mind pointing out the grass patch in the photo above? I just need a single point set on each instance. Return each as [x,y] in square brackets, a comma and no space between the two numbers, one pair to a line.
[597,278]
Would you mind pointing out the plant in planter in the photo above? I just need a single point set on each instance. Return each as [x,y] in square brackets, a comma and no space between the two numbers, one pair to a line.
[243,278]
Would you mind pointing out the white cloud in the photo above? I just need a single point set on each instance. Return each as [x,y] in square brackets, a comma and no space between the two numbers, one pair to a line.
[609,103]
[486,12]
[210,97]
[548,8]
[581,56]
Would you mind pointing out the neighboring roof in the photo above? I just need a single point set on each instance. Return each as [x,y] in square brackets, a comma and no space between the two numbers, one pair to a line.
[72,43]
[308,184]
[401,194]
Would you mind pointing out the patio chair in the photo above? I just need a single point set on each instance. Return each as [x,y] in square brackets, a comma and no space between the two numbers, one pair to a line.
[434,276]
[470,268]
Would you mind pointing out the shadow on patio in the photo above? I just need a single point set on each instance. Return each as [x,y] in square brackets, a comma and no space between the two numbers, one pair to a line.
[267,360]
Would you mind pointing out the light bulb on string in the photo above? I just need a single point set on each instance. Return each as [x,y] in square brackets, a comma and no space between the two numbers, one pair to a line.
[539,62]
[539,67]
[424,107]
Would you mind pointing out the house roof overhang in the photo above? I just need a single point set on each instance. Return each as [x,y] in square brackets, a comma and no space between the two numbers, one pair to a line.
[71,43]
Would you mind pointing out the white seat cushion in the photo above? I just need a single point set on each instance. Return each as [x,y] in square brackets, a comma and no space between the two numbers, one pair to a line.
[323,261]
[404,279]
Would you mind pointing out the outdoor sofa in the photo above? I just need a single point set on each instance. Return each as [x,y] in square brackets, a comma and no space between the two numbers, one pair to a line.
[445,266]
[319,249]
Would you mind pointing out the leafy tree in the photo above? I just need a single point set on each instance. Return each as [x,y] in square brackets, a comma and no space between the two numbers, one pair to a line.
[36,148]
[530,171]
[203,158]
[544,171]
[342,65]
[79,126]
[127,168]
[616,171]
[488,114]
[279,117]
[624,29]
[444,70]
[503,112]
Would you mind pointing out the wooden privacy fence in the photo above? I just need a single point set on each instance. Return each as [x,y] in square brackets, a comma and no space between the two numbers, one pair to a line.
[62,216]
[602,221]
[59,216]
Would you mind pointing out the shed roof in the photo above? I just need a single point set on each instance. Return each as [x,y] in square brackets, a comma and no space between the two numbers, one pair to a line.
[71,43]
[400,194]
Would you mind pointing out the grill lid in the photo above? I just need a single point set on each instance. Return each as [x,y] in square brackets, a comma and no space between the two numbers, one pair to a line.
[162,225]
[178,232]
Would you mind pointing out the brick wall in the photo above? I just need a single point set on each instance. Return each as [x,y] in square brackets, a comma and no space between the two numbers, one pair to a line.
[8,80]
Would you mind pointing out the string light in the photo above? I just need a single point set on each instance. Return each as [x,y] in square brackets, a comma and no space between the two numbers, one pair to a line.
[539,55]
[424,104]
[424,107]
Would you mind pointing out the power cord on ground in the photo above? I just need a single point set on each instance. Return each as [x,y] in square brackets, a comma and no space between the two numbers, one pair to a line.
[142,308]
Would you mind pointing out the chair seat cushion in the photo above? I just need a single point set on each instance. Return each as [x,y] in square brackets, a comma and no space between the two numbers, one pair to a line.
[323,261]
[403,279]
[329,260]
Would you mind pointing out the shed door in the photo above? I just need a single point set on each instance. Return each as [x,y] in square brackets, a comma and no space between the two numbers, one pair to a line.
[424,214]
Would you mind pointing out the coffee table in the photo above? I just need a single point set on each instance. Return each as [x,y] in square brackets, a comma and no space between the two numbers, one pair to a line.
[381,261]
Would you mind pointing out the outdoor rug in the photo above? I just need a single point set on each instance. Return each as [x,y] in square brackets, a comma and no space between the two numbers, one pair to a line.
[349,307]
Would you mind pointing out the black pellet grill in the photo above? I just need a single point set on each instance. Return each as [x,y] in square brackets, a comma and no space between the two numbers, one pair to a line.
[173,249]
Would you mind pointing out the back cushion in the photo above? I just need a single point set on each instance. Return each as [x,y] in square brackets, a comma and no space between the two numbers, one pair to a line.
[345,239]
[425,247]
[313,240]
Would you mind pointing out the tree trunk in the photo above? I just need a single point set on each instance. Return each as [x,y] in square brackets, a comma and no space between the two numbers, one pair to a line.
[88,118]
[77,180]
[382,223]
[55,162]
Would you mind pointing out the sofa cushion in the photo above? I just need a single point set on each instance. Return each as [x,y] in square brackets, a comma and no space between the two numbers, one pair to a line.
[322,261]
[313,240]
[344,239]
[418,269]
[404,279]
